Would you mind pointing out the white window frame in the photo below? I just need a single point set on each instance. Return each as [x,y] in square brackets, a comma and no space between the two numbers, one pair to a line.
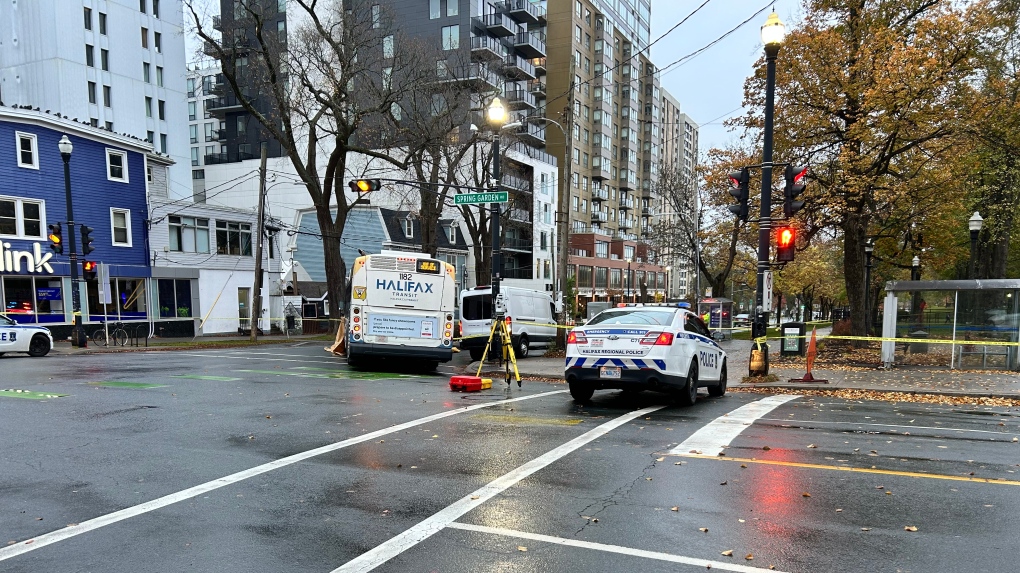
[19,218]
[18,135]
[113,229]
[407,225]
[124,165]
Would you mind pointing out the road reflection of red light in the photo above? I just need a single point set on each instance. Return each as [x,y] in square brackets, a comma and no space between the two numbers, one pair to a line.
[775,493]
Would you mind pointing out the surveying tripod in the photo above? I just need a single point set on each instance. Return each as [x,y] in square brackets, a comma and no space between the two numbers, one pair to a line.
[501,334]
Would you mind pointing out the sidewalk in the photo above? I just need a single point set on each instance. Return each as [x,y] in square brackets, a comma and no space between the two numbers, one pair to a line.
[908,379]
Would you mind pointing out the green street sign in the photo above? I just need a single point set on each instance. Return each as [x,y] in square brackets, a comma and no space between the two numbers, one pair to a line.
[478,198]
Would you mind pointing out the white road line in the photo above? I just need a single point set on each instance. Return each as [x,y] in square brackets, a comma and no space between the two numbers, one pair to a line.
[936,428]
[702,563]
[717,434]
[415,535]
[240,357]
[111,518]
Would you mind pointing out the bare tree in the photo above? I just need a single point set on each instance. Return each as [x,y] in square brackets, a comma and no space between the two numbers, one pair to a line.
[343,80]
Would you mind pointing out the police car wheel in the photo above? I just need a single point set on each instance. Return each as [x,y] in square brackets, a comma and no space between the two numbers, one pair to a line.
[720,388]
[581,392]
[522,347]
[689,393]
[39,346]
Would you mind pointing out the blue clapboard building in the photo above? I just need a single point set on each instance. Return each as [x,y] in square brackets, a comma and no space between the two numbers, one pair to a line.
[109,176]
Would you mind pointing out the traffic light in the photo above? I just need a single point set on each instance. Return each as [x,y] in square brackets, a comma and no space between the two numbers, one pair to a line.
[89,270]
[787,243]
[365,185]
[740,180]
[794,188]
[86,240]
[56,236]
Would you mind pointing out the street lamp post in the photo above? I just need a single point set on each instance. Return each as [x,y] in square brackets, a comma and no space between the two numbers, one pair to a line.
[974,224]
[78,338]
[628,279]
[915,275]
[772,33]
[869,248]
[669,271]
[497,119]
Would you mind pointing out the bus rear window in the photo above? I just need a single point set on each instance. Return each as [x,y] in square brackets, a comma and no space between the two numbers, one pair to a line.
[477,307]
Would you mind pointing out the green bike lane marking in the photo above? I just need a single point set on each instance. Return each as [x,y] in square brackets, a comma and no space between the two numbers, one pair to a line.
[336,375]
[202,377]
[28,394]
[118,384]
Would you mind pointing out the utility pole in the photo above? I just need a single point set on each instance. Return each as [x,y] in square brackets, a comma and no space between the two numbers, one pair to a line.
[256,309]
[563,214]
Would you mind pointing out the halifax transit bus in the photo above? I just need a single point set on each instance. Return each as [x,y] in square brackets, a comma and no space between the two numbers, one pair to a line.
[401,306]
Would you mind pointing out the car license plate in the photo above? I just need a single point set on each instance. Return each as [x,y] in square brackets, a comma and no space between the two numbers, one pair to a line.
[609,372]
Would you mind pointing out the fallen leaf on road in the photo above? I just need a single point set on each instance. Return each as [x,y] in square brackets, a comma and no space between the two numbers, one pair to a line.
[766,448]
[521,548]
[475,497]
[812,446]
[806,494]
[703,529]
[865,529]
[678,463]
[741,520]
[674,508]
[662,459]
[749,557]
[879,487]
[648,479]
[888,493]
[910,528]
[595,520]
[727,553]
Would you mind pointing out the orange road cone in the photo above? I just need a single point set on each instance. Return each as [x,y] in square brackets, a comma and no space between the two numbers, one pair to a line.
[812,351]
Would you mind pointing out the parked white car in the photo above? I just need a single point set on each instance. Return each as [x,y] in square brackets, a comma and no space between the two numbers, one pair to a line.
[529,312]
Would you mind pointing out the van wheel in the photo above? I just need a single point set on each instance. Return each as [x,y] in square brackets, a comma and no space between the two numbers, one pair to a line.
[720,388]
[430,365]
[522,349]
[39,346]
[689,393]
[581,392]
[476,353]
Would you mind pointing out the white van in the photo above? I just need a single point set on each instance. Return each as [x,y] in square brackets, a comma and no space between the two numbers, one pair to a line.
[530,313]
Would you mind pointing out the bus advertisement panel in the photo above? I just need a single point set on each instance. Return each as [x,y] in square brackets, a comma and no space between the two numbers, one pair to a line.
[402,305]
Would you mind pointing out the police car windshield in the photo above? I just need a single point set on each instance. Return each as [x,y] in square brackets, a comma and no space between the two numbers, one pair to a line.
[6,321]
[659,317]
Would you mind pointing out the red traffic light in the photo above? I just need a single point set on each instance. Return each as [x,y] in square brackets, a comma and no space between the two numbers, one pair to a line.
[786,237]
[89,266]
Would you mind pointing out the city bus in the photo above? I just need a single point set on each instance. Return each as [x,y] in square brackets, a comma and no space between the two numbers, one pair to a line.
[401,306]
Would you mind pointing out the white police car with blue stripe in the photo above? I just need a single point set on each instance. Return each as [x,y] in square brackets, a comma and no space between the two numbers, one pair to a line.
[663,347]
[14,337]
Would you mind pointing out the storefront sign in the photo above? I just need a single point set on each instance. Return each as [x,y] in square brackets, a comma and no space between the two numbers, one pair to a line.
[34,261]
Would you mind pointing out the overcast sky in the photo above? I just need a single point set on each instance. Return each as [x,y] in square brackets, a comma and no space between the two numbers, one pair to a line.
[710,86]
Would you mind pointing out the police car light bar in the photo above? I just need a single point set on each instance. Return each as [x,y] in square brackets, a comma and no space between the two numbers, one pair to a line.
[658,304]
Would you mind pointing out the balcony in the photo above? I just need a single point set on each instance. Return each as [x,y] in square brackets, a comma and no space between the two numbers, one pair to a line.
[525,11]
[520,99]
[487,48]
[530,44]
[519,215]
[537,88]
[518,68]
[648,212]
[517,245]
[217,24]
[600,194]
[539,64]
[532,133]
[217,135]
[600,172]
[499,25]
[517,273]
[232,157]
[626,203]
[476,74]
[223,104]
[598,216]
[515,182]
[624,225]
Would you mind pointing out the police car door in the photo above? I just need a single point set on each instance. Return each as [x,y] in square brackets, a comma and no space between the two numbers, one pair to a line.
[709,356]
[8,334]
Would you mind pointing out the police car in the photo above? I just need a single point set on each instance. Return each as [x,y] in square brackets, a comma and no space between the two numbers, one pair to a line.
[663,347]
[14,337]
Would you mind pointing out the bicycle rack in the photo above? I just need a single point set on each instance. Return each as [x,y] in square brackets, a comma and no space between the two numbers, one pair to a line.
[138,333]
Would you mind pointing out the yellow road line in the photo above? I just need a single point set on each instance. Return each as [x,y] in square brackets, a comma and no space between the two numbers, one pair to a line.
[853,469]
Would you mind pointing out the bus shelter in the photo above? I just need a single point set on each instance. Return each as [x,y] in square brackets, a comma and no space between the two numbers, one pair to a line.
[966,324]
[717,313]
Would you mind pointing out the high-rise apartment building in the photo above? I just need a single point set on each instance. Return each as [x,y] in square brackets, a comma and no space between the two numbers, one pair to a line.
[207,134]
[115,64]
[680,152]
[601,79]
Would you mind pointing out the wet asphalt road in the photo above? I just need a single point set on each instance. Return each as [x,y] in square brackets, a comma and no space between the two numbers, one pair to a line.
[76,473]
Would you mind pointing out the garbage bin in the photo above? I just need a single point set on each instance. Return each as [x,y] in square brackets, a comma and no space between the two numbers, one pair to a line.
[918,347]
[793,341]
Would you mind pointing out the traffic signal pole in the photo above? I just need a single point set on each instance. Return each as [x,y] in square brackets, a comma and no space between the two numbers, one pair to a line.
[78,338]
[760,325]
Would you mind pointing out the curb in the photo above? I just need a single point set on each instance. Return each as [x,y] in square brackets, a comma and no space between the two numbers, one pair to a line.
[910,391]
